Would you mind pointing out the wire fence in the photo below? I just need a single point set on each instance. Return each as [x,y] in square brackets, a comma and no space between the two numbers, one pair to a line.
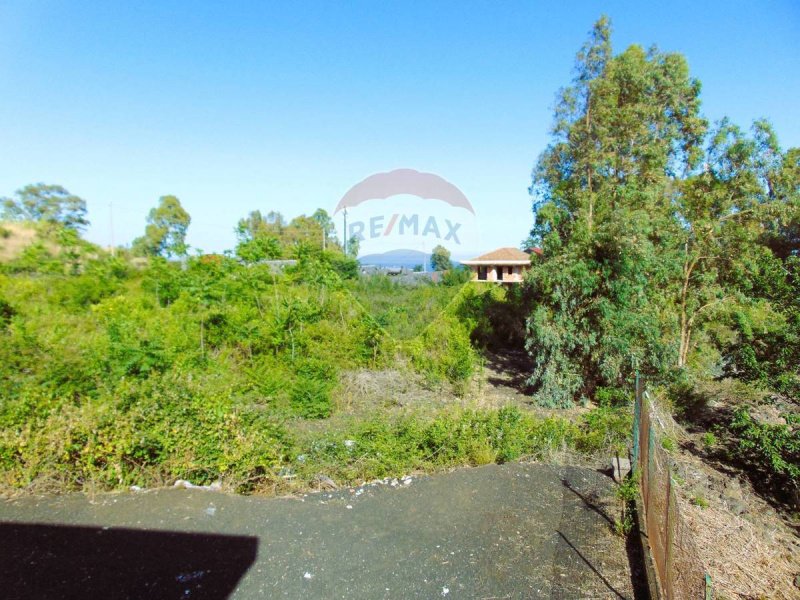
[678,568]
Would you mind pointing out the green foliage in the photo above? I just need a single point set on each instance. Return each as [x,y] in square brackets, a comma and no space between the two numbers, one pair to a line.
[379,448]
[604,428]
[353,247]
[258,249]
[650,262]
[709,439]
[6,313]
[456,276]
[51,204]
[113,376]
[440,258]
[775,448]
[145,433]
[612,397]
[443,352]
[628,490]
[403,310]
[270,237]
[494,315]
[165,234]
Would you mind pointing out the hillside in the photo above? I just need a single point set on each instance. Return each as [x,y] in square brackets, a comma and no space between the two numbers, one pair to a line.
[14,238]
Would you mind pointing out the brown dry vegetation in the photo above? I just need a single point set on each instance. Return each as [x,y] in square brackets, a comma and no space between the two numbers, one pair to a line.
[749,547]
[14,238]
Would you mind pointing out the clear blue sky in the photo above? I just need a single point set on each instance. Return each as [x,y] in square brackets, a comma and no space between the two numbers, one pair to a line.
[234,106]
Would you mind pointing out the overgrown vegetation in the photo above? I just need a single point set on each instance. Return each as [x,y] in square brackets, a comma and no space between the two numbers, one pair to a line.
[117,373]
[670,246]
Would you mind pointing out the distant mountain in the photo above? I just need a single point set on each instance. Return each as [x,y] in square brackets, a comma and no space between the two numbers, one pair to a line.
[397,258]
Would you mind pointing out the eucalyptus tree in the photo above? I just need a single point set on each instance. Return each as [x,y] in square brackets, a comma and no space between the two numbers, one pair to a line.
[165,233]
[651,226]
[46,203]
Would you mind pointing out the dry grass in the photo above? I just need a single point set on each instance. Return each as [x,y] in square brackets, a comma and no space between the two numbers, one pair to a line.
[750,557]
[744,561]
[19,237]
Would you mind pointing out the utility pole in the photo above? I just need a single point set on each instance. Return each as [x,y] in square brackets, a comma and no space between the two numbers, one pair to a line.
[111,227]
[344,233]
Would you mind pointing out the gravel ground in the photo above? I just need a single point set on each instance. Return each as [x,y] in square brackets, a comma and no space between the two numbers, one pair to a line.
[510,531]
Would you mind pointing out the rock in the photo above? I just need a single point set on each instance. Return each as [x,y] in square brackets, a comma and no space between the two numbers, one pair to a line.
[733,497]
[620,467]
[325,482]
[182,483]
[737,507]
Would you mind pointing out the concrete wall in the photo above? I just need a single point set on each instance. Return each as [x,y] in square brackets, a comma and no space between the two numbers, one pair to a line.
[500,273]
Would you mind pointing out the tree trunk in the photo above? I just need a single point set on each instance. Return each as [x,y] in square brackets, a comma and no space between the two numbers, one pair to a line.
[686,325]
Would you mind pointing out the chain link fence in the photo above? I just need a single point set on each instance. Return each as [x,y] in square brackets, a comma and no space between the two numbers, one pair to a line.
[679,570]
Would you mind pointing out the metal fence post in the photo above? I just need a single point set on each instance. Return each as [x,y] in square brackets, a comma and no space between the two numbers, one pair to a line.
[637,424]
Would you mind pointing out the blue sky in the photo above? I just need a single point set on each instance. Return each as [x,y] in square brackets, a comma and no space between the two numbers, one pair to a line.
[241,106]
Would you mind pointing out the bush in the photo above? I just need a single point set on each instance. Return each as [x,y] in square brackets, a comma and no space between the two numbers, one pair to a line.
[380,447]
[605,428]
[612,397]
[774,447]
[311,397]
[444,353]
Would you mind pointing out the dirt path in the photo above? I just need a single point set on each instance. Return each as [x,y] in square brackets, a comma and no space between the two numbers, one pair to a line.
[510,531]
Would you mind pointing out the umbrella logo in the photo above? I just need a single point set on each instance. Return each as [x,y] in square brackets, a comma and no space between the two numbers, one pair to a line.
[406,209]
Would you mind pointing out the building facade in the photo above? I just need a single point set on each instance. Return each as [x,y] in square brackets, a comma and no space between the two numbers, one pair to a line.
[504,265]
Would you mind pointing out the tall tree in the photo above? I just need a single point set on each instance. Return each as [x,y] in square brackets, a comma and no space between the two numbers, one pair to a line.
[603,192]
[47,203]
[654,243]
[440,258]
[165,233]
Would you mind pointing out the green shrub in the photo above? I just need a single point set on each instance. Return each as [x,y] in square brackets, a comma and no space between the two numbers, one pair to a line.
[444,352]
[605,428]
[610,397]
[709,439]
[773,447]
[311,395]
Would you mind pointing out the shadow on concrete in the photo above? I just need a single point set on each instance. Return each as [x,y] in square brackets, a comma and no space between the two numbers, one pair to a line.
[633,548]
[591,503]
[591,566]
[58,561]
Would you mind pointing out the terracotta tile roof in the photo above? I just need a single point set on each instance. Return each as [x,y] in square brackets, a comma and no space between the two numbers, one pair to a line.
[501,255]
